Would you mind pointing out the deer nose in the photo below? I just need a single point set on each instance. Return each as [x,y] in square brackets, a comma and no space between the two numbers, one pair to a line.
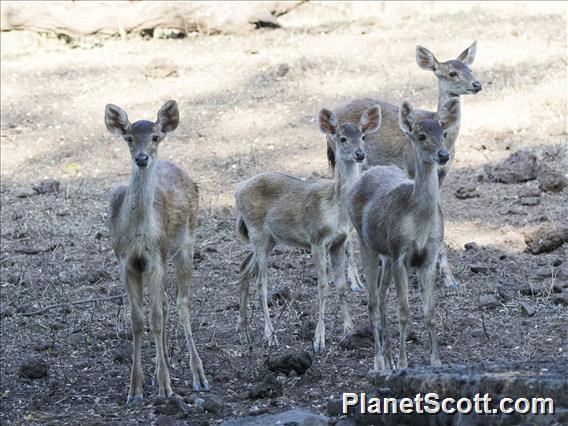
[443,156]
[141,160]
[476,85]
[359,155]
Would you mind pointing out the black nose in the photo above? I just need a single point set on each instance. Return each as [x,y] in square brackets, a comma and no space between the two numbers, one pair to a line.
[443,156]
[476,85]
[359,155]
[141,159]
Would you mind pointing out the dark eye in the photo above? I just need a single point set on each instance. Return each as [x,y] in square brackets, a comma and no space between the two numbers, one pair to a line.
[155,138]
[343,139]
[445,135]
[363,137]
[453,74]
[128,139]
[421,137]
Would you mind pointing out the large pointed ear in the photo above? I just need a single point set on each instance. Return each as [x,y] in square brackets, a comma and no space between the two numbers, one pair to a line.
[468,55]
[116,120]
[449,114]
[406,117]
[426,59]
[370,121]
[168,117]
[327,122]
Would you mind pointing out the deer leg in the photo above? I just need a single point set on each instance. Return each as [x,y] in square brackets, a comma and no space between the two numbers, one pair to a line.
[262,252]
[155,278]
[248,269]
[370,261]
[427,280]
[400,276]
[165,309]
[135,290]
[319,254]
[337,257]
[184,269]
[446,275]
[352,272]
[384,286]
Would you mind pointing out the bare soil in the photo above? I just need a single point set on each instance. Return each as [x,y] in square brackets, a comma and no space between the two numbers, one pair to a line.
[248,105]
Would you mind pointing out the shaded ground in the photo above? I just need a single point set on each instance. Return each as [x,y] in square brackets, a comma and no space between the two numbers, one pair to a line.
[248,105]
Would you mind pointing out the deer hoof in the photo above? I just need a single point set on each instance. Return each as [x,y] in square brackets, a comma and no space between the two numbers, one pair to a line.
[134,399]
[201,385]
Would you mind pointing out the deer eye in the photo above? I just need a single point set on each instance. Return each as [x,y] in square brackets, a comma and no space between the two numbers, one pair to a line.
[363,137]
[155,138]
[453,74]
[421,137]
[128,139]
[343,139]
[445,135]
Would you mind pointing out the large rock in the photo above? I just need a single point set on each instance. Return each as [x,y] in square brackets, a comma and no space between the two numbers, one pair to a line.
[292,417]
[546,238]
[521,166]
[551,180]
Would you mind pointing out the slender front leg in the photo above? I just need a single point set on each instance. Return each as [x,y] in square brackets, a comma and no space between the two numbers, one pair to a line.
[165,309]
[352,273]
[446,275]
[154,279]
[135,290]
[400,276]
[261,254]
[319,257]
[247,270]
[427,278]
[384,286]
[337,260]
[370,261]
[184,270]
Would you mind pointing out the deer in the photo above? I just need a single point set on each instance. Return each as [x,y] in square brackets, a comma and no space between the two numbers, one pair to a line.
[274,208]
[390,146]
[152,219]
[399,225]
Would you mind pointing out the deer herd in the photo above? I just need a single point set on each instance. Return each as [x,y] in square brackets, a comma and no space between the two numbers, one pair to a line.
[388,165]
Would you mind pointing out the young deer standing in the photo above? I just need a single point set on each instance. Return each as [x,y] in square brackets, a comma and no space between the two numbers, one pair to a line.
[275,208]
[390,145]
[399,223]
[152,218]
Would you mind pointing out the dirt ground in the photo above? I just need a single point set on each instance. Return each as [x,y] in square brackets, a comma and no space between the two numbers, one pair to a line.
[247,105]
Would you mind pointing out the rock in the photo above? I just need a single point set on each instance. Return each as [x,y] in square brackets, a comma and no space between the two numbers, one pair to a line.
[362,337]
[488,301]
[96,276]
[44,345]
[279,296]
[559,286]
[550,180]
[519,167]
[171,406]
[480,268]
[529,192]
[25,193]
[471,246]
[270,387]
[295,417]
[47,186]
[477,334]
[505,292]
[546,238]
[561,298]
[214,404]
[467,191]
[298,362]
[527,309]
[530,201]
[34,368]
[282,70]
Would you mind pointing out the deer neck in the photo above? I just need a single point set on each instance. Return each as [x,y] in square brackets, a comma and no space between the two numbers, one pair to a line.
[425,194]
[345,176]
[445,95]
[140,196]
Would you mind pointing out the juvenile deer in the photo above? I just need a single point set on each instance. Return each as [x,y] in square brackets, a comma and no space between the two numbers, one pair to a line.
[390,145]
[152,218]
[399,223]
[275,208]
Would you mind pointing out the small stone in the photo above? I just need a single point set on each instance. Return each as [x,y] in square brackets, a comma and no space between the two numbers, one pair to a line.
[527,309]
[529,192]
[467,191]
[488,301]
[561,298]
[546,238]
[270,387]
[506,293]
[471,246]
[362,337]
[479,268]
[279,296]
[47,186]
[477,334]
[298,362]
[530,201]
[44,345]
[560,286]
[551,180]
[34,368]
[214,404]
[25,193]
[282,70]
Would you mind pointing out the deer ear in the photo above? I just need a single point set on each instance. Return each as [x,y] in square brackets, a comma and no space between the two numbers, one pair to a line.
[426,59]
[370,121]
[168,117]
[406,117]
[449,114]
[116,120]
[468,55]
[327,122]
